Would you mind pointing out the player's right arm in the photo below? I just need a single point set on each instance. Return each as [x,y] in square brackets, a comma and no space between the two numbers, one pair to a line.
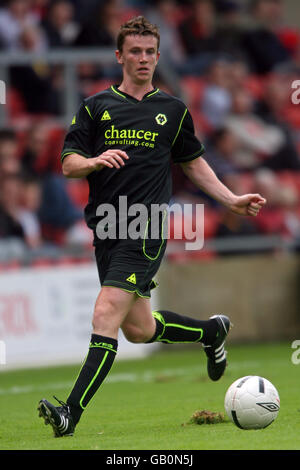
[78,152]
[77,166]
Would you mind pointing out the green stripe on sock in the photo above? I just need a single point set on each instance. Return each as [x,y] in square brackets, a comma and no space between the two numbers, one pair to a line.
[188,328]
[93,380]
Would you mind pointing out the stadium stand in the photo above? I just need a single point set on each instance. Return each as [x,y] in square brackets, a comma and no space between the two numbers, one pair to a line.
[39,131]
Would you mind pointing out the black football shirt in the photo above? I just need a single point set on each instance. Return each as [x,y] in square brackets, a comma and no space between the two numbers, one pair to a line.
[151,131]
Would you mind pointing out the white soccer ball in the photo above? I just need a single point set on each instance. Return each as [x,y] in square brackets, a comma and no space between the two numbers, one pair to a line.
[252,402]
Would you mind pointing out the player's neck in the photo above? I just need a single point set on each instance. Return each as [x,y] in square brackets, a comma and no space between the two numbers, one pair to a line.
[137,91]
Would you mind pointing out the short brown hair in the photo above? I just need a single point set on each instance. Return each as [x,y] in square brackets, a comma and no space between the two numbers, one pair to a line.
[139,26]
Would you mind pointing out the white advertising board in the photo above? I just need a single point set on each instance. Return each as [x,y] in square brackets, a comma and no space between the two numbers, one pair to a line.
[46,313]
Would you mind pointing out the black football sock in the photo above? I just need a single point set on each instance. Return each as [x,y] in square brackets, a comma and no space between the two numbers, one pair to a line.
[101,355]
[174,328]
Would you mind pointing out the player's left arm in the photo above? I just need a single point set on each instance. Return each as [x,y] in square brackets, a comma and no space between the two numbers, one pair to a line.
[203,176]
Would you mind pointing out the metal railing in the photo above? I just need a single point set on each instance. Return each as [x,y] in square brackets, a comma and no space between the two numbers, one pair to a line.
[15,250]
[70,59]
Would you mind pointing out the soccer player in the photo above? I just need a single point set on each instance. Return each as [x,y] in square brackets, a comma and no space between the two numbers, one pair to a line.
[122,140]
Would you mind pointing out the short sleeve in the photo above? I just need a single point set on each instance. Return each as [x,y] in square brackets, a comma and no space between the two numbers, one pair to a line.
[79,136]
[186,145]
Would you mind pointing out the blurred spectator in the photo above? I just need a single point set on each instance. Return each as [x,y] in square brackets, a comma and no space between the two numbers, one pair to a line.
[42,147]
[197,31]
[19,202]
[32,40]
[18,197]
[198,36]
[36,89]
[35,82]
[36,150]
[101,30]
[8,142]
[102,27]
[39,8]
[15,17]
[230,28]
[238,74]
[59,25]
[232,225]
[84,9]
[258,140]
[10,226]
[220,148]
[9,162]
[216,99]
[56,210]
[281,214]
[271,108]
[30,201]
[261,43]
[270,14]
[164,14]
[290,38]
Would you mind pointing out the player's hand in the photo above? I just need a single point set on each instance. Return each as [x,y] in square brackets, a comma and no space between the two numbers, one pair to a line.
[113,158]
[248,204]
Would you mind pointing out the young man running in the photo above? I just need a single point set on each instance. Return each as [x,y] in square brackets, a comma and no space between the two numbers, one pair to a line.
[122,140]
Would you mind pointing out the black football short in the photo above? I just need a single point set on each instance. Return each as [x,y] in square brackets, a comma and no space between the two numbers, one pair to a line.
[129,264]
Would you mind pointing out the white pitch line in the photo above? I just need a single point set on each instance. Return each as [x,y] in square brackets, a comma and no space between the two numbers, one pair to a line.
[143,377]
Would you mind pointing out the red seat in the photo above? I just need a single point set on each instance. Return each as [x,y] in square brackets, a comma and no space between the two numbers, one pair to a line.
[55,144]
[201,124]
[255,85]
[290,178]
[15,103]
[78,190]
[246,182]
[41,263]
[184,227]
[193,88]
[97,86]
[53,234]
[11,265]
[292,116]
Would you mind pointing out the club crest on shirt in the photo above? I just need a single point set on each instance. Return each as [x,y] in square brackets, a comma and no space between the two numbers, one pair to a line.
[161,119]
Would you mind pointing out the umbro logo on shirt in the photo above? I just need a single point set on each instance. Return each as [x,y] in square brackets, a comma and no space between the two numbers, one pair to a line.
[106,116]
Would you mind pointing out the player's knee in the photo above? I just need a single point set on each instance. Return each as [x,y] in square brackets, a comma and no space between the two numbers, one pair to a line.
[134,334]
[105,315]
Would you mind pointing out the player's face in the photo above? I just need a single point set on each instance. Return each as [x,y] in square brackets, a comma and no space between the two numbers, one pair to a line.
[139,58]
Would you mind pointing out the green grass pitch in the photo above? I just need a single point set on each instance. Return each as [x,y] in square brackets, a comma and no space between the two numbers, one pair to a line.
[144,404]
